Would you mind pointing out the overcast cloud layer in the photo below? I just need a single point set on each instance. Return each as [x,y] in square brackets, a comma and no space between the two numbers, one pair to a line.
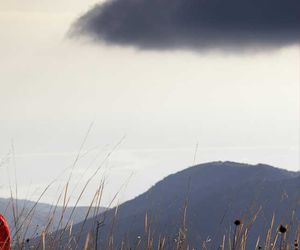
[196,24]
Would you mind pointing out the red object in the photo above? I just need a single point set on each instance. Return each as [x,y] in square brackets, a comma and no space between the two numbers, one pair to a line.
[4,234]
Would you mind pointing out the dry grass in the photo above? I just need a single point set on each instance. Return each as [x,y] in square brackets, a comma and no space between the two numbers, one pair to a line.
[278,237]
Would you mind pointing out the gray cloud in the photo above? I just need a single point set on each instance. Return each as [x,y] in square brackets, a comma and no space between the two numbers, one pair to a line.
[193,24]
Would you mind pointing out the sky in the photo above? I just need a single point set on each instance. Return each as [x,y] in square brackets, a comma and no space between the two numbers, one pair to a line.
[155,107]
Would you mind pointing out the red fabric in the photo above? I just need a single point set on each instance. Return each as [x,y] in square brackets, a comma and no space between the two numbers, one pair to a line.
[4,234]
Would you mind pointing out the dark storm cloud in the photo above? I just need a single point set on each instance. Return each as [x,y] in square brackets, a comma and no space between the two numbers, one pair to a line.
[194,24]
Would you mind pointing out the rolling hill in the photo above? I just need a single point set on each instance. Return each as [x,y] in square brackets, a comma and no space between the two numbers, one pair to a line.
[211,196]
[32,225]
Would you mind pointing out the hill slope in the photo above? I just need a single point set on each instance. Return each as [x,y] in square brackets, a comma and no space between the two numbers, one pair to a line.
[215,194]
[33,225]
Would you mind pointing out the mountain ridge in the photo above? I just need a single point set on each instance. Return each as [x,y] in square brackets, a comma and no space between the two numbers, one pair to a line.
[216,194]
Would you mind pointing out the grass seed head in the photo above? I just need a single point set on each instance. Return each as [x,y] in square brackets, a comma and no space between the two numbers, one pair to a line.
[237,222]
[282,229]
